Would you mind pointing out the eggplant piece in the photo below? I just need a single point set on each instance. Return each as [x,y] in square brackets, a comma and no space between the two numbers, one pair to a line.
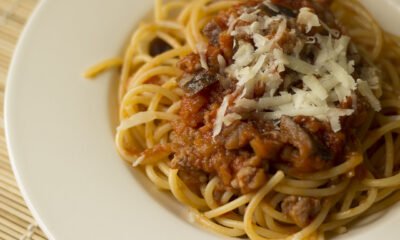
[306,143]
[298,137]
[158,46]
[287,11]
[212,31]
[322,150]
[198,82]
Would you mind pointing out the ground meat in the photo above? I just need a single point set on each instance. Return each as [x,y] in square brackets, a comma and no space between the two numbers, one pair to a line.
[212,58]
[250,178]
[157,152]
[190,63]
[236,168]
[193,179]
[360,114]
[225,42]
[212,31]
[301,209]
[191,108]
[250,149]
[265,148]
[204,155]
[238,135]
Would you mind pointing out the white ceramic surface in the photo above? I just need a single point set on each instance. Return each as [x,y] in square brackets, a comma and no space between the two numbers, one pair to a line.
[60,129]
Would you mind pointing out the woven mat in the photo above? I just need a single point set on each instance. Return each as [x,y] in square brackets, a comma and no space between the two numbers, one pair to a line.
[16,221]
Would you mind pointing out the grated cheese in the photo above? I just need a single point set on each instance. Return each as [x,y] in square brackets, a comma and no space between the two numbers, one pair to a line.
[259,40]
[268,102]
[269,43]
[308,18]
[220,116]
[298,65]
[221,63]
[230,118]
[249,17]
[202,50]
[341,75]
[365,90]
[246,103]
[264,102]
[244,55]
[334,32]
[315,85]
[298,47]
[371,76]
[271,6]
[232,23]
[326,80]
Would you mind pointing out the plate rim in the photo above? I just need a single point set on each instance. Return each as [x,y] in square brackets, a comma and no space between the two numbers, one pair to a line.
[10,75]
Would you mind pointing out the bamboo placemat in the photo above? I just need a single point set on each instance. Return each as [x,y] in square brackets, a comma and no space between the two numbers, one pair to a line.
[16,221]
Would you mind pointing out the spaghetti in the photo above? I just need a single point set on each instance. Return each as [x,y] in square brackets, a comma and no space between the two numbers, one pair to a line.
[285,180]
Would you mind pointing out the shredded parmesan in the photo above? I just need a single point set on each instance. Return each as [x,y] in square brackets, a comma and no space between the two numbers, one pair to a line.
[220,116]
[221,62]
[230,118]
[265,102]
[202,50]
[297,48]
[365,90]
[271,6]
[248,104]
[248,17]
[232,23]
[244,54]
[298,65]
[326,78]
[342,76]
[269,102]
[328,82]
[315,85]
[308,18]
[333,32]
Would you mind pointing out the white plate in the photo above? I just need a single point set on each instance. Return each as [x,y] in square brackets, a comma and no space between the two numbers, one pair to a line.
[60,129]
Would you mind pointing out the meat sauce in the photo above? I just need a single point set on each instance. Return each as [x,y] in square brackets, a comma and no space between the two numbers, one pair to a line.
[244,153]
